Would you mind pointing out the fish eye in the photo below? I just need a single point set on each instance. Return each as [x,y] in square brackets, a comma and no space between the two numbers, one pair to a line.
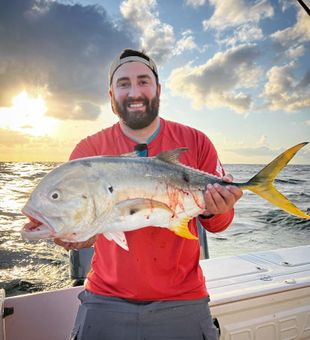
[55,195]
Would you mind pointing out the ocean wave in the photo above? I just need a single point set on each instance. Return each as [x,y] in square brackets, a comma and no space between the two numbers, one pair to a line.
[10,214]
[37,266]
[280,218]
[292,181]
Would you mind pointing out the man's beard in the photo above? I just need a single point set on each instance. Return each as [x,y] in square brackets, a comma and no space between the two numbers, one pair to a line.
[137,119]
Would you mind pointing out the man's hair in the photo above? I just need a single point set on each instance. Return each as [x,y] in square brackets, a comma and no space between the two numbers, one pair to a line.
[129,55]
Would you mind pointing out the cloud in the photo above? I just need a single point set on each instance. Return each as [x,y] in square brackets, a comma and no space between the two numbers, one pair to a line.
[286,4]
[195,3]
[295,52]
[265,153]
[284,91]
[298,33]
[10,138]
[254,151]
[243,34]
[229,14]
[219,82]
[187,42]
[17,146]
[263,141]
[60,49]
[156,38]
[77,110]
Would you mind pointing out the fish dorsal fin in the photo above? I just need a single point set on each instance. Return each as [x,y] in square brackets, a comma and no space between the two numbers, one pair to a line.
[171,156]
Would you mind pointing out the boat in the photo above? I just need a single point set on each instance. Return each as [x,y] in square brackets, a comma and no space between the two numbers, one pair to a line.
[255,296]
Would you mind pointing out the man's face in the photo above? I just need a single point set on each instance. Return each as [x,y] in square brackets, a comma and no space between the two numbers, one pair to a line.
[135,95]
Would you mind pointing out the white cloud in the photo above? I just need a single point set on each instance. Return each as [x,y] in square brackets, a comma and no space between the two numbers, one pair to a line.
[263,141]
[286,4]
[295,52]
[220,81]
[244,34]
[195,3]
[187,42]
[308,122]
[156,38]
[234,13]
[299,32]
[283,91]
[254,151]
[58,56]
[11,138]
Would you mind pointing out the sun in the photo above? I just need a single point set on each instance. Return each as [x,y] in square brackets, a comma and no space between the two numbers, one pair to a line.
[27,114]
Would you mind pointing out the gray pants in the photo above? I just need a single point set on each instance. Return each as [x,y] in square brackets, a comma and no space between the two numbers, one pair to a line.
[106,318]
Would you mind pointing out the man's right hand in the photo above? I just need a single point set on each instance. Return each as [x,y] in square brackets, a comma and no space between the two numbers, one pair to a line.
[76,245]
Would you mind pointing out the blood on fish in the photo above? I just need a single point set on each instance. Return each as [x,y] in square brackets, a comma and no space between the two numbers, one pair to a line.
[196,200]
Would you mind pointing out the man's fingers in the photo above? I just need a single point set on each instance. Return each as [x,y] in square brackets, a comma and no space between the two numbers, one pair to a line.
[216,203]
[76,245]
[237,192]
[209,201]
[220,199]
[225,199]
[228,178]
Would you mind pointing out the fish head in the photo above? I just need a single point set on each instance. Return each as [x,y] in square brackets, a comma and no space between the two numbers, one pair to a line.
[67,204]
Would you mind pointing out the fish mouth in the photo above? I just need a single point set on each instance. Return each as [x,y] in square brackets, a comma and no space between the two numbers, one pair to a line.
[37,227]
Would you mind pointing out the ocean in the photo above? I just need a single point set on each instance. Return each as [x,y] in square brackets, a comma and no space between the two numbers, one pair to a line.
[27,267]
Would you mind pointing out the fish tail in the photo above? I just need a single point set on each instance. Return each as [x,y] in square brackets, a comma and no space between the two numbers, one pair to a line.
[262,182]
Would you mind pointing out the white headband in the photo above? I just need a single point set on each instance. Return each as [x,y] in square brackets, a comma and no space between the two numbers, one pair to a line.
[117,62]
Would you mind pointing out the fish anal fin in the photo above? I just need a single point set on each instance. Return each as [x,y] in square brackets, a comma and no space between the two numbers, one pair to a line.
[181,229]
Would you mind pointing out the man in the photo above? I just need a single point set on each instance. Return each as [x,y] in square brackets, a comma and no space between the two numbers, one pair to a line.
[157,289]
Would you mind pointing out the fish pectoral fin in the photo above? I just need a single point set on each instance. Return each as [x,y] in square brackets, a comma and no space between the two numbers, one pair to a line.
[181,229]
[136,205]
[118,237]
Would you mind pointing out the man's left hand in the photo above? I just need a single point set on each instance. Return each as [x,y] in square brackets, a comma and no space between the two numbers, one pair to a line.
[220,199]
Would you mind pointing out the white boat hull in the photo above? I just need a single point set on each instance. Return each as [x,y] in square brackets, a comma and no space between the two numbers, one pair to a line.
[257,296]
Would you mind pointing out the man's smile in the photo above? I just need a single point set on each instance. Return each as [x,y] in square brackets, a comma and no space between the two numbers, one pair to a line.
[136,105]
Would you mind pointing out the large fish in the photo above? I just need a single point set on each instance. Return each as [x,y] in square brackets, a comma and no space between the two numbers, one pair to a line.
[112,195]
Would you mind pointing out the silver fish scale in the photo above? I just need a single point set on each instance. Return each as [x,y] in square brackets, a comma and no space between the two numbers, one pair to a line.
[153,168]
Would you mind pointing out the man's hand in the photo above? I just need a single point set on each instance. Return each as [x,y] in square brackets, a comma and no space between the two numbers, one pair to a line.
[76,245]
[220,199]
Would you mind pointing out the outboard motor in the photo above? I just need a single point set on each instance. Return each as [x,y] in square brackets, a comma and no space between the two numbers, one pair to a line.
[80,261]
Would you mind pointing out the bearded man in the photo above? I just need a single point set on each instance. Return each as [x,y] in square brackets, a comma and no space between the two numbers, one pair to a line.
[157,289]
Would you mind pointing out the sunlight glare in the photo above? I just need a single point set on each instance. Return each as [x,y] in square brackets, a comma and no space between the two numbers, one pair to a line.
[27,114]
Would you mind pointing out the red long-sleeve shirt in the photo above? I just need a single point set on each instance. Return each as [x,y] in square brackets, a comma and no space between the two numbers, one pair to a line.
[159,264]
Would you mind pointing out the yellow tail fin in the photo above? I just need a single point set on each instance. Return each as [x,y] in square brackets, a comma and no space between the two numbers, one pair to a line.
[262,183]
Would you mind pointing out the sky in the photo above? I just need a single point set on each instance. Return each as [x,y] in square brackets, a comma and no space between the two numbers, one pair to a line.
[237,70]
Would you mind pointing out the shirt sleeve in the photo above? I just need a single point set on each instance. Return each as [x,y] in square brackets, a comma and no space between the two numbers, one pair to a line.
[209,162]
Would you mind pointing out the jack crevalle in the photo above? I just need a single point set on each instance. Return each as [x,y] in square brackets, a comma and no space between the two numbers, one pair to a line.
[112,195]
